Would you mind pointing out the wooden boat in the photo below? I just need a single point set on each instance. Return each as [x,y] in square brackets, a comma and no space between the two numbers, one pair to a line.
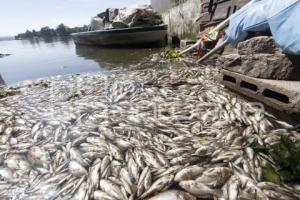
[127,37]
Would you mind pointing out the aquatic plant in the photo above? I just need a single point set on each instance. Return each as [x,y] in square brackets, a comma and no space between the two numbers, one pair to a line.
[76,95]
[170,53]
[285,153]
[6,93]
[43,83]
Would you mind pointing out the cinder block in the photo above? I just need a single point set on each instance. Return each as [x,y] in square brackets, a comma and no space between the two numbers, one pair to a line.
[279,94]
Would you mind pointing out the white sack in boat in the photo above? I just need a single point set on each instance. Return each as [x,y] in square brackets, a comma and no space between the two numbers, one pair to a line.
[97,23]
[143,15]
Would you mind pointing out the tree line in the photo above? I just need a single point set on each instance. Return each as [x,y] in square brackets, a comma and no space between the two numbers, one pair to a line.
[46,32]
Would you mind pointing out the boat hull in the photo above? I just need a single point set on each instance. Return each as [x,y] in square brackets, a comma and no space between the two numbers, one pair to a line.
[136,36]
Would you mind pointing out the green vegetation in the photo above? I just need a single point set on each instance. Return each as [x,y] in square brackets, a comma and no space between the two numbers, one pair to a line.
[43,83]
[286,156]
[7,93]
[170,54]
[46,32]
[76,95]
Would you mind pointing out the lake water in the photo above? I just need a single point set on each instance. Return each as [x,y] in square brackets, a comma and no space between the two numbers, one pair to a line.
[33,59]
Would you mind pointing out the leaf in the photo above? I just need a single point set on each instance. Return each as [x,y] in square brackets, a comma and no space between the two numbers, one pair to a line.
[286,156]
[270,174]
[280,154]
[287,142]
[297,146]
[286,175]
[170,53]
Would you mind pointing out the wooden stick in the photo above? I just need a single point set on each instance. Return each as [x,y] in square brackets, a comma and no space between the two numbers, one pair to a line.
[191,47]
[221,26]
[210,35]
[213,51]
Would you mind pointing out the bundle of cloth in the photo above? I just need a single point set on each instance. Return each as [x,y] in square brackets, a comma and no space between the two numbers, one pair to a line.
[136,16]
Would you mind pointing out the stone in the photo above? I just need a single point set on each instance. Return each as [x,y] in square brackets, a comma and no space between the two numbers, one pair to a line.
[267,66]
[276,66]
[228,61]
[260,44]
[259,57]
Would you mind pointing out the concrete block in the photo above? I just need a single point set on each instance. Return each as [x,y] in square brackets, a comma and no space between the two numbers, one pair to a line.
[279,94]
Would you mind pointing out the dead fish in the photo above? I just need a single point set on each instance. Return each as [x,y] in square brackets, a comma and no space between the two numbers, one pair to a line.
[173,195]
[199,189]
[189,173]
[215,177]
[112,189]
[100,195]
[76,169]
[159,185]
[6,174]
[94,173]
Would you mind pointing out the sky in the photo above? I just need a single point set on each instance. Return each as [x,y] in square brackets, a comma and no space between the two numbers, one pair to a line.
[17,16]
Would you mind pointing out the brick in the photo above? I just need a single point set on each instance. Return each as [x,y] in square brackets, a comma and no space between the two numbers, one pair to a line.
[279,94]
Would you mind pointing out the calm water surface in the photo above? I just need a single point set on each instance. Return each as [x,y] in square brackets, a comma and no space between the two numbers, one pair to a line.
[33,59]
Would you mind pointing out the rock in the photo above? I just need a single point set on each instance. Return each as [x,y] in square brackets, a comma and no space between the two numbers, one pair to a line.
[261,44]
[268,66]
[276,66]
[230,60]
[259,57]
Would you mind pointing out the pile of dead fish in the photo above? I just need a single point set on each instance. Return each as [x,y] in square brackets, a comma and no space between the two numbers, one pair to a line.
[144,134]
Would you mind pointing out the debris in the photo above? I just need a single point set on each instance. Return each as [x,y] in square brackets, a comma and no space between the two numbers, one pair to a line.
[170,54]
[6,93]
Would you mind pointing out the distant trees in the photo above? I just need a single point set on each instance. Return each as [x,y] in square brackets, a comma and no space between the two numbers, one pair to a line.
[63,30]
[46,32]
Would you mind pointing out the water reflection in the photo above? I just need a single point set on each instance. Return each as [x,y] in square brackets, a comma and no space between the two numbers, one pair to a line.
[66,40]
[50,41]
[33,42]
[38,58]
[1,81]
[110,57]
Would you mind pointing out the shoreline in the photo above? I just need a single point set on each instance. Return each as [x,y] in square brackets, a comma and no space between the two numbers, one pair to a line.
[4,55]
